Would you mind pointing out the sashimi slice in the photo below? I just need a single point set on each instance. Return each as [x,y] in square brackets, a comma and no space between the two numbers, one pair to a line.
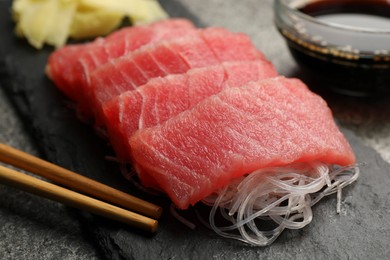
[267,123]
[163,98]
[60,66]
[79,64]
[206,48]
[128,40]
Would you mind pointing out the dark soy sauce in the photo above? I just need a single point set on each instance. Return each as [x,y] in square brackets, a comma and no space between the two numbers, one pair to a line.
[359,74]
[372,14]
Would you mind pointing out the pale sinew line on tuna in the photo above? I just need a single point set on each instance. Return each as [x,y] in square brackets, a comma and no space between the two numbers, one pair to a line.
[163,98]
[262,124]
[70,66]
[206,47]
[216,130]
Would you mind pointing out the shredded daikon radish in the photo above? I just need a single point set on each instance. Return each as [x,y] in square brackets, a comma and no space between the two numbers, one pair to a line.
[283,195]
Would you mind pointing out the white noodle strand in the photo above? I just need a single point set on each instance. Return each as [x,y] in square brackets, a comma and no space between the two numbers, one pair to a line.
[183,220]
[282,195]
[130,176]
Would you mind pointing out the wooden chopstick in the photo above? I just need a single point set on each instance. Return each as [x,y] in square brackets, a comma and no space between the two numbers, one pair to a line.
[74,199]
[76,182]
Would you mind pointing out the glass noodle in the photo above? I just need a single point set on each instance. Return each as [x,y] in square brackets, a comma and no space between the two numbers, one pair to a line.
[283,196]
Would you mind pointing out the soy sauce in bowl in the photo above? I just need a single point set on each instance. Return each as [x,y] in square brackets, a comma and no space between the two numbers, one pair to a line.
[361,14]
[345,42]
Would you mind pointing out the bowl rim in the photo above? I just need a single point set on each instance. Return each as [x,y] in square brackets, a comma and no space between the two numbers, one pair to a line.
[331,25]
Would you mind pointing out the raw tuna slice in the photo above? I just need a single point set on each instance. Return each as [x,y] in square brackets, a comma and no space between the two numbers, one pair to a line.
[61,64]
[208,47]
[163,98]
[267,123]
[120,44]
[80,64]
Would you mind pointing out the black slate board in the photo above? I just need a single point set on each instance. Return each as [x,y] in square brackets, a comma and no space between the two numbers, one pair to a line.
[361,230]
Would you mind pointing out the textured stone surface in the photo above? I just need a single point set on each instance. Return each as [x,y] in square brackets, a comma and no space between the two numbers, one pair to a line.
[361,231]
[31,227]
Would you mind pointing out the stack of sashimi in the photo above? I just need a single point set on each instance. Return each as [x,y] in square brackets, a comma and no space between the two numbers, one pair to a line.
[193,109]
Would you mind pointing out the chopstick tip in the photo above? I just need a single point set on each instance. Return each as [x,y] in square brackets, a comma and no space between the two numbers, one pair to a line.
[154,226]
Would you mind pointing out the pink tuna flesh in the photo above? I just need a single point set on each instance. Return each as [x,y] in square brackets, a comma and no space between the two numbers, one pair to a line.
[70,70]
[206,48]
[267,123]
[163,98]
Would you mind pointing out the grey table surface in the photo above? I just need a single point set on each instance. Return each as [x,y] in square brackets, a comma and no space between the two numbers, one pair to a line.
[35,228]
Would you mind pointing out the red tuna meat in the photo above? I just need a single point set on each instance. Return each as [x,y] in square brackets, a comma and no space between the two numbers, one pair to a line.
[206,48]
[61,64]
[267,123]
[163,98]
[70,70]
